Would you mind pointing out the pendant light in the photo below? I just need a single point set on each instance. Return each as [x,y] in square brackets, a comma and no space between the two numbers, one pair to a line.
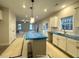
[32,19]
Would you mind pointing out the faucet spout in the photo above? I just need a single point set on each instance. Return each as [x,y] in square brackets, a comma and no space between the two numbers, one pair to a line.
[64,32]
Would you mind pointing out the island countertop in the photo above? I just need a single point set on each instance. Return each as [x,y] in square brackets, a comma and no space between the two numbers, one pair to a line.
[32,35]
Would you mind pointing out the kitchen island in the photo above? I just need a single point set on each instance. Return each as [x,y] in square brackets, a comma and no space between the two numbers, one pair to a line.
[37,43]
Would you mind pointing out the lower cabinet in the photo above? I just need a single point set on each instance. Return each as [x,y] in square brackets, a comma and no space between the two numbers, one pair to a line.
[78,49]
[50,37]
[73,47]
[62,42]
[55,39]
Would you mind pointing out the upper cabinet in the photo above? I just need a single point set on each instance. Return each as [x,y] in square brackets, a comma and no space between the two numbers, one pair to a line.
[1,15]
[54,21]
[76,21]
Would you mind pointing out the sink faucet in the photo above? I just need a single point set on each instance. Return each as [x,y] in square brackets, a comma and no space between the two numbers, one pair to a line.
[64,32]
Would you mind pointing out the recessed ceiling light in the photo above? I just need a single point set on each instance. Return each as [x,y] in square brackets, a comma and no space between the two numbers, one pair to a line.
[63,6]
[23,6]
[45,10]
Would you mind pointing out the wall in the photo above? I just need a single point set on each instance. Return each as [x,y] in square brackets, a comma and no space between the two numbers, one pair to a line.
[25,26]
[4,27]
[7,27]
[68,11]
[12,27]
[19,22]
[41,26]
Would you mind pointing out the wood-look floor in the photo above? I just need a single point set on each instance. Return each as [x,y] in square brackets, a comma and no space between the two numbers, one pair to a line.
[2,48]
[54,52]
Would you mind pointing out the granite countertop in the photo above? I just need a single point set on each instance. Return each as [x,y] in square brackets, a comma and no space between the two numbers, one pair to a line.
[32,35]
[75,37]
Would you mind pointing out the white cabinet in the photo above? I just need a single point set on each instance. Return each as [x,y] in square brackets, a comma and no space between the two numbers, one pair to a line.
[62,42]
[77,48]
[54,21]
[76,16]
[73,47]
[55,39]
[1,15]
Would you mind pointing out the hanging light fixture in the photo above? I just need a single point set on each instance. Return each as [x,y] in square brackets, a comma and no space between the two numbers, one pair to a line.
[24,4]
[32,19]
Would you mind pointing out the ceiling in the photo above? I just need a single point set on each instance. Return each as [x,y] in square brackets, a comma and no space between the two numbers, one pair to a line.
[39,6]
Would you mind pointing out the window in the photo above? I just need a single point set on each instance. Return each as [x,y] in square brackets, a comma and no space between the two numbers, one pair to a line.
[30,28]
[19,26]
[46,27]
[67,23]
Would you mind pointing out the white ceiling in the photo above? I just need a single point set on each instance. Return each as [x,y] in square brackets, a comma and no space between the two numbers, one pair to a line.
[39,6]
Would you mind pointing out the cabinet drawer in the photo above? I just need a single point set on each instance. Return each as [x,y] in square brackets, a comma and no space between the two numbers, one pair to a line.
[62,43]
[55,41]
[72,47]
[77,49]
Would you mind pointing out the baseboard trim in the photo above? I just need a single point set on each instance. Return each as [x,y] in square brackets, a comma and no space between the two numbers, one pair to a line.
[12,41]
[4,44]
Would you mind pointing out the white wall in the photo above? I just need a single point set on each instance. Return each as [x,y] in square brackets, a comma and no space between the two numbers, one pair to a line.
[41,26]
[7,27]
[4,27]
[12,26]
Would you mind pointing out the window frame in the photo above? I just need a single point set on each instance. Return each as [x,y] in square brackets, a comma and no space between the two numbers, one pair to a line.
[72,23]
[19,27]
[31,27]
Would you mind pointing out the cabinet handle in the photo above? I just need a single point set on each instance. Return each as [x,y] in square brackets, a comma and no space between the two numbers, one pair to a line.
[77,47]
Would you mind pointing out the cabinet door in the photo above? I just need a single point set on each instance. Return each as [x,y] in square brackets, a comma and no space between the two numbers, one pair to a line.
[62,42]
[72,47]
[77,49]
[39,48]
[50,37]
[55,41]
[76,21]
[54,21]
